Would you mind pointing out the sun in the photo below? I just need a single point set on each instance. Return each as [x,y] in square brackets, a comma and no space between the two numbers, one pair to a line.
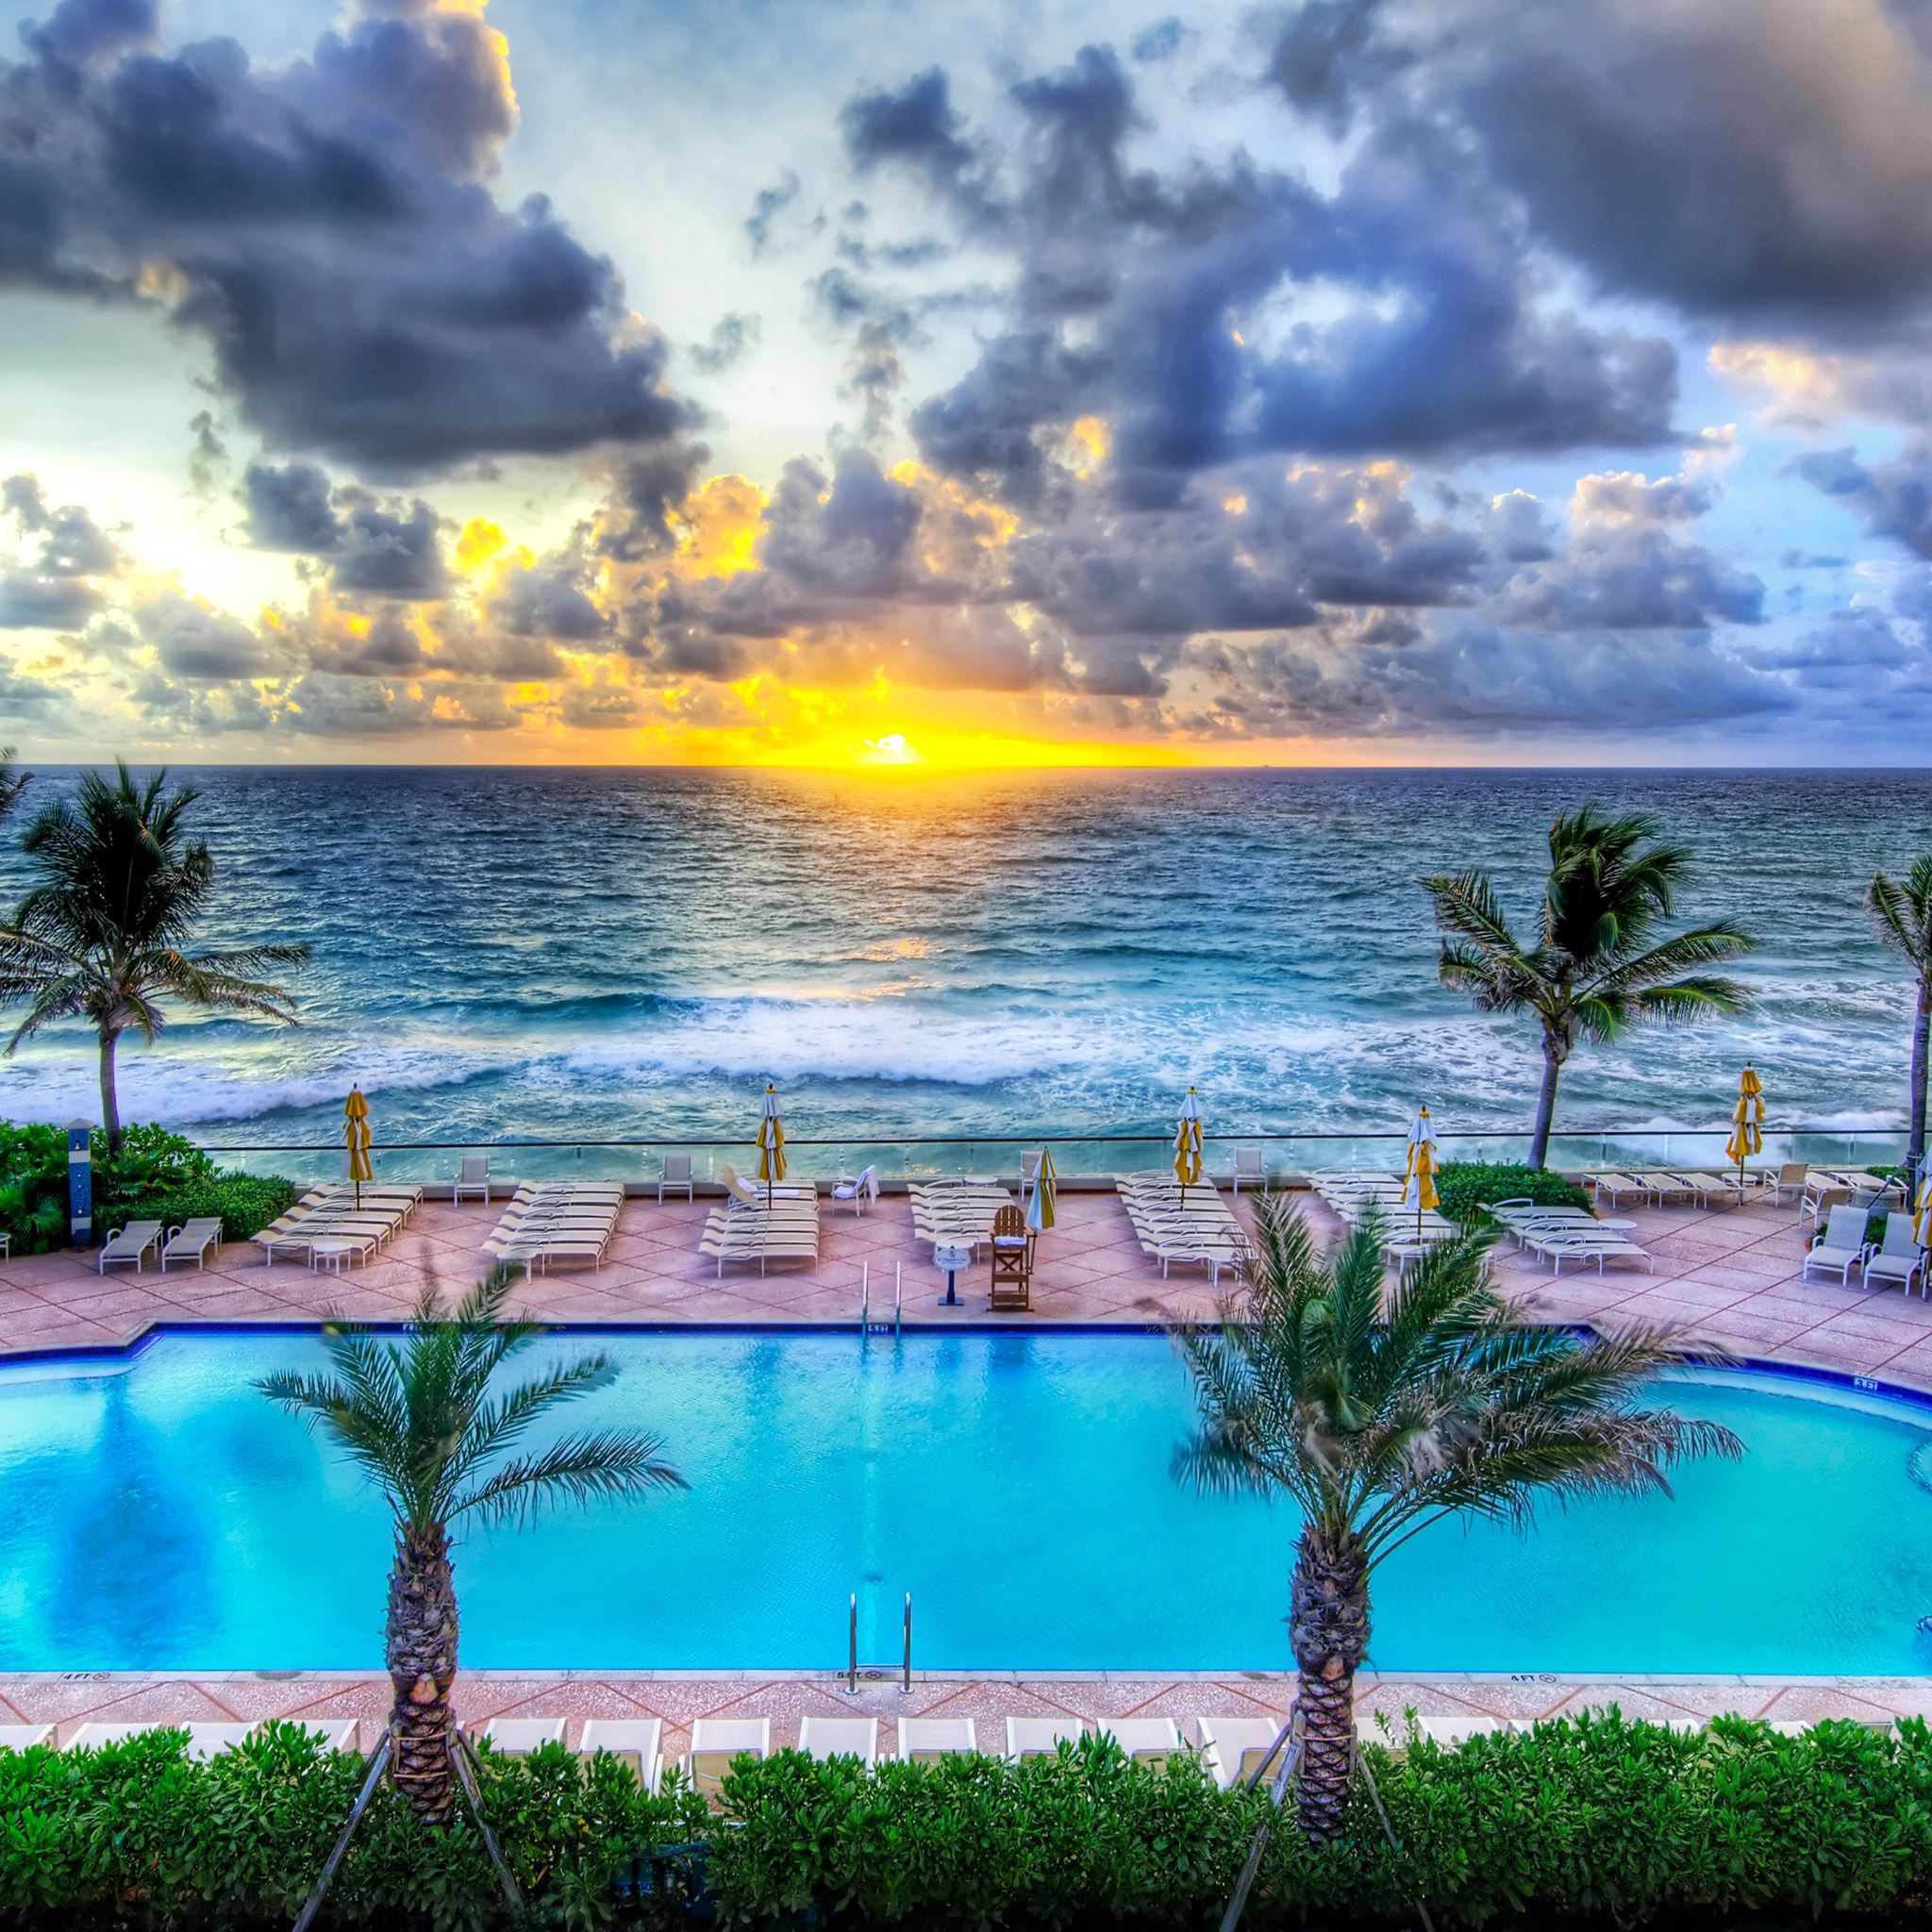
[895,748]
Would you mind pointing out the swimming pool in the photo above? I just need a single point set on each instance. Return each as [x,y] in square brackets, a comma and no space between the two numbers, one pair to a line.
[157,1514]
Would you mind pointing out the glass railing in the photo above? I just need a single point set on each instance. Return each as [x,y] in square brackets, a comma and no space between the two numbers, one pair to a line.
[1282,1155]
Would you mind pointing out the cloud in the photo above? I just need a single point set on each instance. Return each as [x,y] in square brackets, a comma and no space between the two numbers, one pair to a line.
[324,228]
[731,339]
[290,507]
[1730,158]
[1167,305]
[195,640]
[56,584]
[389,550]
[1892,498]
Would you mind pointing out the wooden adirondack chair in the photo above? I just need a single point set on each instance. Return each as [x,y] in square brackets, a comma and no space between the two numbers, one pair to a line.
[1012,1261]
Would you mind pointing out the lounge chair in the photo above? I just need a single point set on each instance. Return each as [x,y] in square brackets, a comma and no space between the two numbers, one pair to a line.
[1237,1746]
[25,1737]
[1040,1737]
[130,1243]
[718,1742]
[1842,1247]
[861,1189]
[517,1737]
[92,1737]
[1822,1193]
[840,1737]
[1563,1244]
[925,1740]
[1613,1187]
[473,1178]
[1898,1257]
[757,1193]
[1149,1741]
[333,1733]
[637,1740]
[210,1741]
[1787,1179]
[193,1238]
[676,1178]
[1248,1167]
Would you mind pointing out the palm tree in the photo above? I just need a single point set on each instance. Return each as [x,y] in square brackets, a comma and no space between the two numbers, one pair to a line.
[1902,914]
[419,1420]
[1379,1426]
[12,783]
[99,937]
[1598,965]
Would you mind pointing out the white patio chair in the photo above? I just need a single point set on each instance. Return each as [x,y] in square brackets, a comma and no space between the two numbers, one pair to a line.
[473,1178]
[1842,1247]
[675,1177]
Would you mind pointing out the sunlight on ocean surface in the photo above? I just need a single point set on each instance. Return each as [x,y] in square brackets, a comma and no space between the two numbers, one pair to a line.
[629,955]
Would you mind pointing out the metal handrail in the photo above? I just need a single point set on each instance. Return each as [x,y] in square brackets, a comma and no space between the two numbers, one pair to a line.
[1516,1131]
[853,1665]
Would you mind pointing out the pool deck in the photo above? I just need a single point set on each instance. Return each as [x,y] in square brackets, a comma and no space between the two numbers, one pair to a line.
[1730,1278]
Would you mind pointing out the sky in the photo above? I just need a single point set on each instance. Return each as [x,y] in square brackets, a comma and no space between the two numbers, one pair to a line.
[937,384]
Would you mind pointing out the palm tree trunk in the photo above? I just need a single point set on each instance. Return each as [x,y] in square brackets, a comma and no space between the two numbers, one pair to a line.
[1545,1104]
[422,1638]
[1922,1029]
[110,1100]
[1329,1625]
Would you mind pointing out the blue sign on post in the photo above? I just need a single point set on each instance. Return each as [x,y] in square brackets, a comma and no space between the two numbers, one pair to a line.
[80,1184]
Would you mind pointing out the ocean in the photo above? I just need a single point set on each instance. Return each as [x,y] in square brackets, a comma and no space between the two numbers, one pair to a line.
[630,954]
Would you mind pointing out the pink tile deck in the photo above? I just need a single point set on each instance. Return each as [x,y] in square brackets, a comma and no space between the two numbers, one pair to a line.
[1728,1277]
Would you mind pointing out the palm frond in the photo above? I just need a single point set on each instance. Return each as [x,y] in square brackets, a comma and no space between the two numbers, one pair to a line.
[578,1469]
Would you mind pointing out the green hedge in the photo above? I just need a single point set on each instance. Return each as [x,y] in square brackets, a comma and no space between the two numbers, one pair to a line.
[1595,1823]
[157,1175]
[1463,1187]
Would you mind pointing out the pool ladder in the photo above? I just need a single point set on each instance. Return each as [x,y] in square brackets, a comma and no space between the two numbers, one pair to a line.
[866,1325]
[854,1666]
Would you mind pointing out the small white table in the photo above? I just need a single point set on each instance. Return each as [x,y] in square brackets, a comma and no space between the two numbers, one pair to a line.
[324,1253]
[952,1256]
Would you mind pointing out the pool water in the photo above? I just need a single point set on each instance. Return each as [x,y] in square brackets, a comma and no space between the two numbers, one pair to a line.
[160,1515]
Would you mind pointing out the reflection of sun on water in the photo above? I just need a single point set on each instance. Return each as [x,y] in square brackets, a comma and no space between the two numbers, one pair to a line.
[893,749]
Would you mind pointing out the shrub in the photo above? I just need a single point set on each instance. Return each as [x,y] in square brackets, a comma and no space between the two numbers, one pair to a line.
[33,1186]
[245,1203]
[1464,1188]
[157,1175]
[1593,1822]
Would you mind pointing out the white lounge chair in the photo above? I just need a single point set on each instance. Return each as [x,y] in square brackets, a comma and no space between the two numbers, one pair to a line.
[676,1177]
[193,1238]
[861,1189]
[1842,1247]
[1237,1746]
[517,1737]
[1040,1737]
[1898,1257]
[924,1739]
[92,1736]
[473,1178]
[718,1742]
[210,1741]
[1150,1740]
[130,1243]
[637,1740]
[25,1737]
[840,1737]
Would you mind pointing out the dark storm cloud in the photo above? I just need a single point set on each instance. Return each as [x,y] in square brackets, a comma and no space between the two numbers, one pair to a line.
[635,521]
[1732,157]
[1448,343]
[1325,52]
[551,599]
[290,507]
[323,227]
[389,550]
[1892,498]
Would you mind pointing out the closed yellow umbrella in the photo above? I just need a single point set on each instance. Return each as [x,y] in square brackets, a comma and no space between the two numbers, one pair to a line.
[1187,1144]
[1045,1186]
[1922,1214]
[771,1142]
[1747,1129]
[1419,1189]
[356,1138]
